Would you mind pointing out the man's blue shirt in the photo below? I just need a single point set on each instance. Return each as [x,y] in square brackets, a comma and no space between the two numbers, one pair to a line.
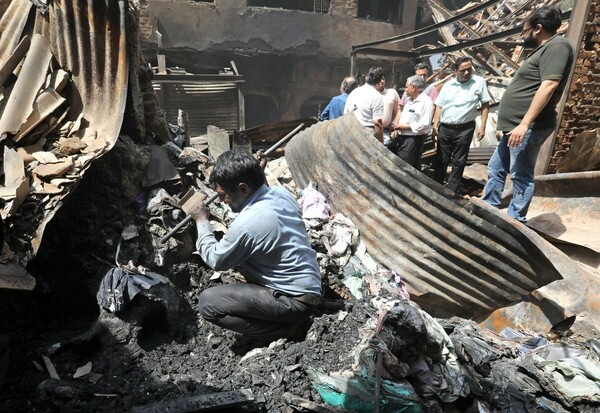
[268,241]
[335,108]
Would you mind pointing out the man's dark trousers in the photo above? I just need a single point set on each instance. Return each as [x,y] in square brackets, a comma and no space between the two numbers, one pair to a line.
[453,148]
[409,148]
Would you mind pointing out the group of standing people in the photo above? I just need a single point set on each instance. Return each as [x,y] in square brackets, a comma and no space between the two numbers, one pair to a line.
[526,115]
[268,240]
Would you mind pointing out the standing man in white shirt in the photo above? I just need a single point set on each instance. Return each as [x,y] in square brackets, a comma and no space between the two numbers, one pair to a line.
[414,123]
[366,102]
[454,121]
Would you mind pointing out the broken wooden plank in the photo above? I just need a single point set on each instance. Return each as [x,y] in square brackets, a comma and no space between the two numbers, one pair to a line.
[493,49]
[203,403]
[441,13]
[184,124]
[27,86]
[46,103]
[218,141]
[189,200]
[162,64]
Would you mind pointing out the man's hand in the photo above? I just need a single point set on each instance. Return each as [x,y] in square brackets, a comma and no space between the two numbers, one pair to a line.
[480,134]
[261,158]
[515,136]
[434,132]
[199,212]
[378,126]
[394,134]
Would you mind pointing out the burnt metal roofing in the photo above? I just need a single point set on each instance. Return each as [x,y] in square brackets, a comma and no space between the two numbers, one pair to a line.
[88,39]
[457,257]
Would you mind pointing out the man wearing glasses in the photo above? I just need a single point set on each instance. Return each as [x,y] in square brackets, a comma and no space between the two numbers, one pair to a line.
[456,109]
[527,111]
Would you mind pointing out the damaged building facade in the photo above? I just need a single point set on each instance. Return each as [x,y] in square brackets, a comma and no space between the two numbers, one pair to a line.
[292,54]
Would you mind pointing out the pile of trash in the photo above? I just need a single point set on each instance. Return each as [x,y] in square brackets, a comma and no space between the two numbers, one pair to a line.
[368,345]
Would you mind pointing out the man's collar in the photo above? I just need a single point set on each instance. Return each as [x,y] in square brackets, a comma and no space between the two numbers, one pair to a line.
[260,191]
[543,43]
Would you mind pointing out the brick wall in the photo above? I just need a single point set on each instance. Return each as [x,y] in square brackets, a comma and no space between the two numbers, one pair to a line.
[582,109]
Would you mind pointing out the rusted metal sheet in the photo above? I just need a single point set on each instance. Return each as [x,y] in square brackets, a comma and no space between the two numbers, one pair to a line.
[457,257]
[88,39]
[566,207]
[576,298]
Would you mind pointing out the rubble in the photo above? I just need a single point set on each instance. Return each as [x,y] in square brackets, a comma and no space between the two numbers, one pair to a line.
[53,115]
[368,347]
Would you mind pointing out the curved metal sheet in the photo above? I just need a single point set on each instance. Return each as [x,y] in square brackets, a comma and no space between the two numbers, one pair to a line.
[88,39]
[457,257]
[566,207]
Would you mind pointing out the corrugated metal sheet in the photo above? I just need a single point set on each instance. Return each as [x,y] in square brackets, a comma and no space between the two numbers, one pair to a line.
[457,257]
[88,39]
[205,104]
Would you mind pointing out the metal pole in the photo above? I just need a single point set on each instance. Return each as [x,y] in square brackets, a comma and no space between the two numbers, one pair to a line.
[210,200]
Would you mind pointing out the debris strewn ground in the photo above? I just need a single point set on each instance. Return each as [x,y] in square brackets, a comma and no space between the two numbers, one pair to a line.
[109,364]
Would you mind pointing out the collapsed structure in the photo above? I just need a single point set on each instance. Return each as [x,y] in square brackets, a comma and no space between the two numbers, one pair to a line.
[374,351]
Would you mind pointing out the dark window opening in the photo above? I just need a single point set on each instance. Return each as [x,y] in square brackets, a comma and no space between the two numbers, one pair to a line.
[319,6]
[259,110]
[390,11]
[313,106]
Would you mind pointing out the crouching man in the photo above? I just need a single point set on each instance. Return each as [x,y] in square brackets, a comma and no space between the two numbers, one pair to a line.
[268,241]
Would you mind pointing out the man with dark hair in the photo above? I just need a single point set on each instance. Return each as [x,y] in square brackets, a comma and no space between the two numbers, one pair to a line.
[527,111]
[366,102]
[268,241]
[456,109]
[335,107]
[421,69]
[413,124]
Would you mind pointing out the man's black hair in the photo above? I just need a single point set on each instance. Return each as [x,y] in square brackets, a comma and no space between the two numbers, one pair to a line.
[421,66]
[374,76]
[461,60]
[235,167]
[547,16]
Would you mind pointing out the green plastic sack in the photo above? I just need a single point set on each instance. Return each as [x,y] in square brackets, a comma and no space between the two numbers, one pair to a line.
[356,393]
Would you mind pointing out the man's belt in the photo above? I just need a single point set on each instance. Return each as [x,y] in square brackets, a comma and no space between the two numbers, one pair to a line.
[413,136]
[456,126]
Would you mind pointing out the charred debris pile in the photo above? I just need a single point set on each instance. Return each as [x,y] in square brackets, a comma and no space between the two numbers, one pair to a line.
[368,347]
[367,342]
